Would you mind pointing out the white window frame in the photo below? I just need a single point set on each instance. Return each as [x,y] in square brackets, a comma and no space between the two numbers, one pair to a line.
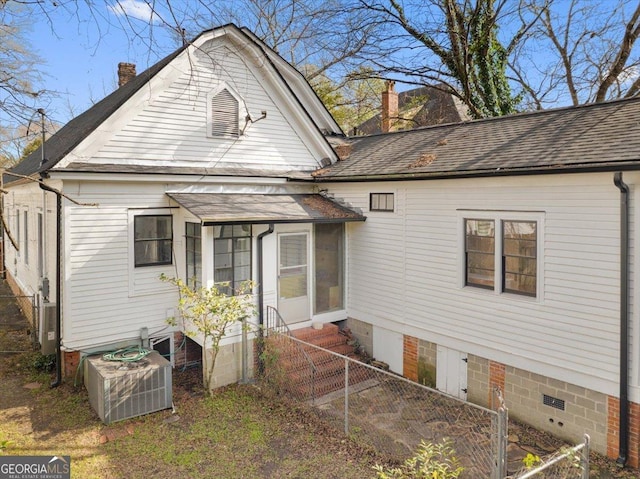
[499,216]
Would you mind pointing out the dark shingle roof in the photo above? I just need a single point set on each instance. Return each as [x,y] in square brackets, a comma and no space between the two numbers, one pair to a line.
[601,136]
[71,134]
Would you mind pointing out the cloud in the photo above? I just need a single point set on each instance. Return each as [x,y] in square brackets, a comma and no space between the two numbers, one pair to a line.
[138,9]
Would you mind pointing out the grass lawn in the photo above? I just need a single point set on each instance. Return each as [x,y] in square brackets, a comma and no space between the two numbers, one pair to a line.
[236,433]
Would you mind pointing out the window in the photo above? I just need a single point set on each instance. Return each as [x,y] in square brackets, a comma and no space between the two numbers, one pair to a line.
[25,246]
[224,114]
[480,250]
[511,246]
[153,240]
[329,261]
[232,256]
[193,235]
[381,202]
[519,257]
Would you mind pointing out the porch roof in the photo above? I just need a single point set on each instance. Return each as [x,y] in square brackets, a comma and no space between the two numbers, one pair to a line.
[220,208]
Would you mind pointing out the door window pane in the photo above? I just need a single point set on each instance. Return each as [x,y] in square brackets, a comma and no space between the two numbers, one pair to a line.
[293,266]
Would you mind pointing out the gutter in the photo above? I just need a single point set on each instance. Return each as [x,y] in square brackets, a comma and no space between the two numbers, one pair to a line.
[631,165]
[45,187]
[261,297]
[623,446]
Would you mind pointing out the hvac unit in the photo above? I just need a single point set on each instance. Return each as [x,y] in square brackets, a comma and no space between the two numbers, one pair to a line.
[121,390]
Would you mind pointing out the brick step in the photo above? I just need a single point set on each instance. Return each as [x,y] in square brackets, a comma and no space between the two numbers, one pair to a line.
[309,334]
[295,359]
[325,384]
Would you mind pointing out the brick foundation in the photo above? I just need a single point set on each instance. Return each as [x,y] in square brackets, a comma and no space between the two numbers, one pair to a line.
[613,431]
[70,362]
[410,358]
[496,379]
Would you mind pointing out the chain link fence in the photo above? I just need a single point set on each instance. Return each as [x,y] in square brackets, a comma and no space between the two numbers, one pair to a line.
[381,409]
[568,463]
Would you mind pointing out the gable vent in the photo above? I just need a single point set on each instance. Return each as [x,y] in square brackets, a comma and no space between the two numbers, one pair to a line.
[224,115]
[553,402]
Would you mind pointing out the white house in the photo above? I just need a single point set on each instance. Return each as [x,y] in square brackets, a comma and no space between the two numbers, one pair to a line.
[497,252]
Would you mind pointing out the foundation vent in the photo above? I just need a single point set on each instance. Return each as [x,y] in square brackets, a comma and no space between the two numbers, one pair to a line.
[553,402]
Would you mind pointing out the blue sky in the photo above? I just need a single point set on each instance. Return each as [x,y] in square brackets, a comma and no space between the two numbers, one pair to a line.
[80,55]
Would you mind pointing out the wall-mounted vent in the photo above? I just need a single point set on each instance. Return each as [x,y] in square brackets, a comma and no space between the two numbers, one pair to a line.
[553,402]
[120,391]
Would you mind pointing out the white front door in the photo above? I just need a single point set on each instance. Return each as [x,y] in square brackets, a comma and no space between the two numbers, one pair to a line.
[451,372]
[293,276]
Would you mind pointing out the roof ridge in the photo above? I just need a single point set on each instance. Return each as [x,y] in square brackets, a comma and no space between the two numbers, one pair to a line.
[523,114]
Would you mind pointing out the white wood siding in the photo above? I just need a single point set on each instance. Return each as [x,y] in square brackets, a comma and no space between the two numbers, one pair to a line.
[106,299]
[166,122]
[406,273]
[30,198]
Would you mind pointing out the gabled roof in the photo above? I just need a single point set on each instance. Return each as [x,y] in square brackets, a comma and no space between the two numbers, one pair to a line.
[596,137]
[76,130]
[423,106]
[71,134]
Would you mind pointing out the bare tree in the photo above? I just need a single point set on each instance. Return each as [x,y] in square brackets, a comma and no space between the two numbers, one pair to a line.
[19,67]
[459,46]
[582,51]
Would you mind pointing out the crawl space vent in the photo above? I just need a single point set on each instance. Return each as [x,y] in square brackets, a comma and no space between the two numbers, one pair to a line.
[553,402]
[120,391]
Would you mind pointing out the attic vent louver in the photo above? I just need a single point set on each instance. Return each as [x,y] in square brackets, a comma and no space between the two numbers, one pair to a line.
[224,115]
[553,402]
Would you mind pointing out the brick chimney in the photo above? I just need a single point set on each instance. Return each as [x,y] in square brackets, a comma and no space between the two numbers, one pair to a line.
[126,72]
[389,107]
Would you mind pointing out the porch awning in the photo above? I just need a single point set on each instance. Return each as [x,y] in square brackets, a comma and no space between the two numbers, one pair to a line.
[219,208]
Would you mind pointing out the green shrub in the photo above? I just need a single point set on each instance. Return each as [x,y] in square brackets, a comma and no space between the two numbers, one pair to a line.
[431,461]
[44,363]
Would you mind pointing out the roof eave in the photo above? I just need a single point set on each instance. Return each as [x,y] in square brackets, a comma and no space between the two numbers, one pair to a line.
[631,165]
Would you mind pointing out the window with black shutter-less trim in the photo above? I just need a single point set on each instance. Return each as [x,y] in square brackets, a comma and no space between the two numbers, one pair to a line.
[224,115]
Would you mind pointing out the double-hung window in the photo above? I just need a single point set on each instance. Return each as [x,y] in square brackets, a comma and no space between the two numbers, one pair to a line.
[153,240]
[519,257]
[502,254]
[480,240]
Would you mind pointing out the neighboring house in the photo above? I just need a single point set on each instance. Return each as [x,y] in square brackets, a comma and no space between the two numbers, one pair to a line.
[494,252]
[410,109]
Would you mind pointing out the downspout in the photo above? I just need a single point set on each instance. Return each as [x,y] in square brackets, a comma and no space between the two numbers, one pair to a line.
[261,298]
[58,379]
[623,446]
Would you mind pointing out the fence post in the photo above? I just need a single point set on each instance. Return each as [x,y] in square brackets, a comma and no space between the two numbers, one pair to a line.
[501,453]
[346,397]
[584,462]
